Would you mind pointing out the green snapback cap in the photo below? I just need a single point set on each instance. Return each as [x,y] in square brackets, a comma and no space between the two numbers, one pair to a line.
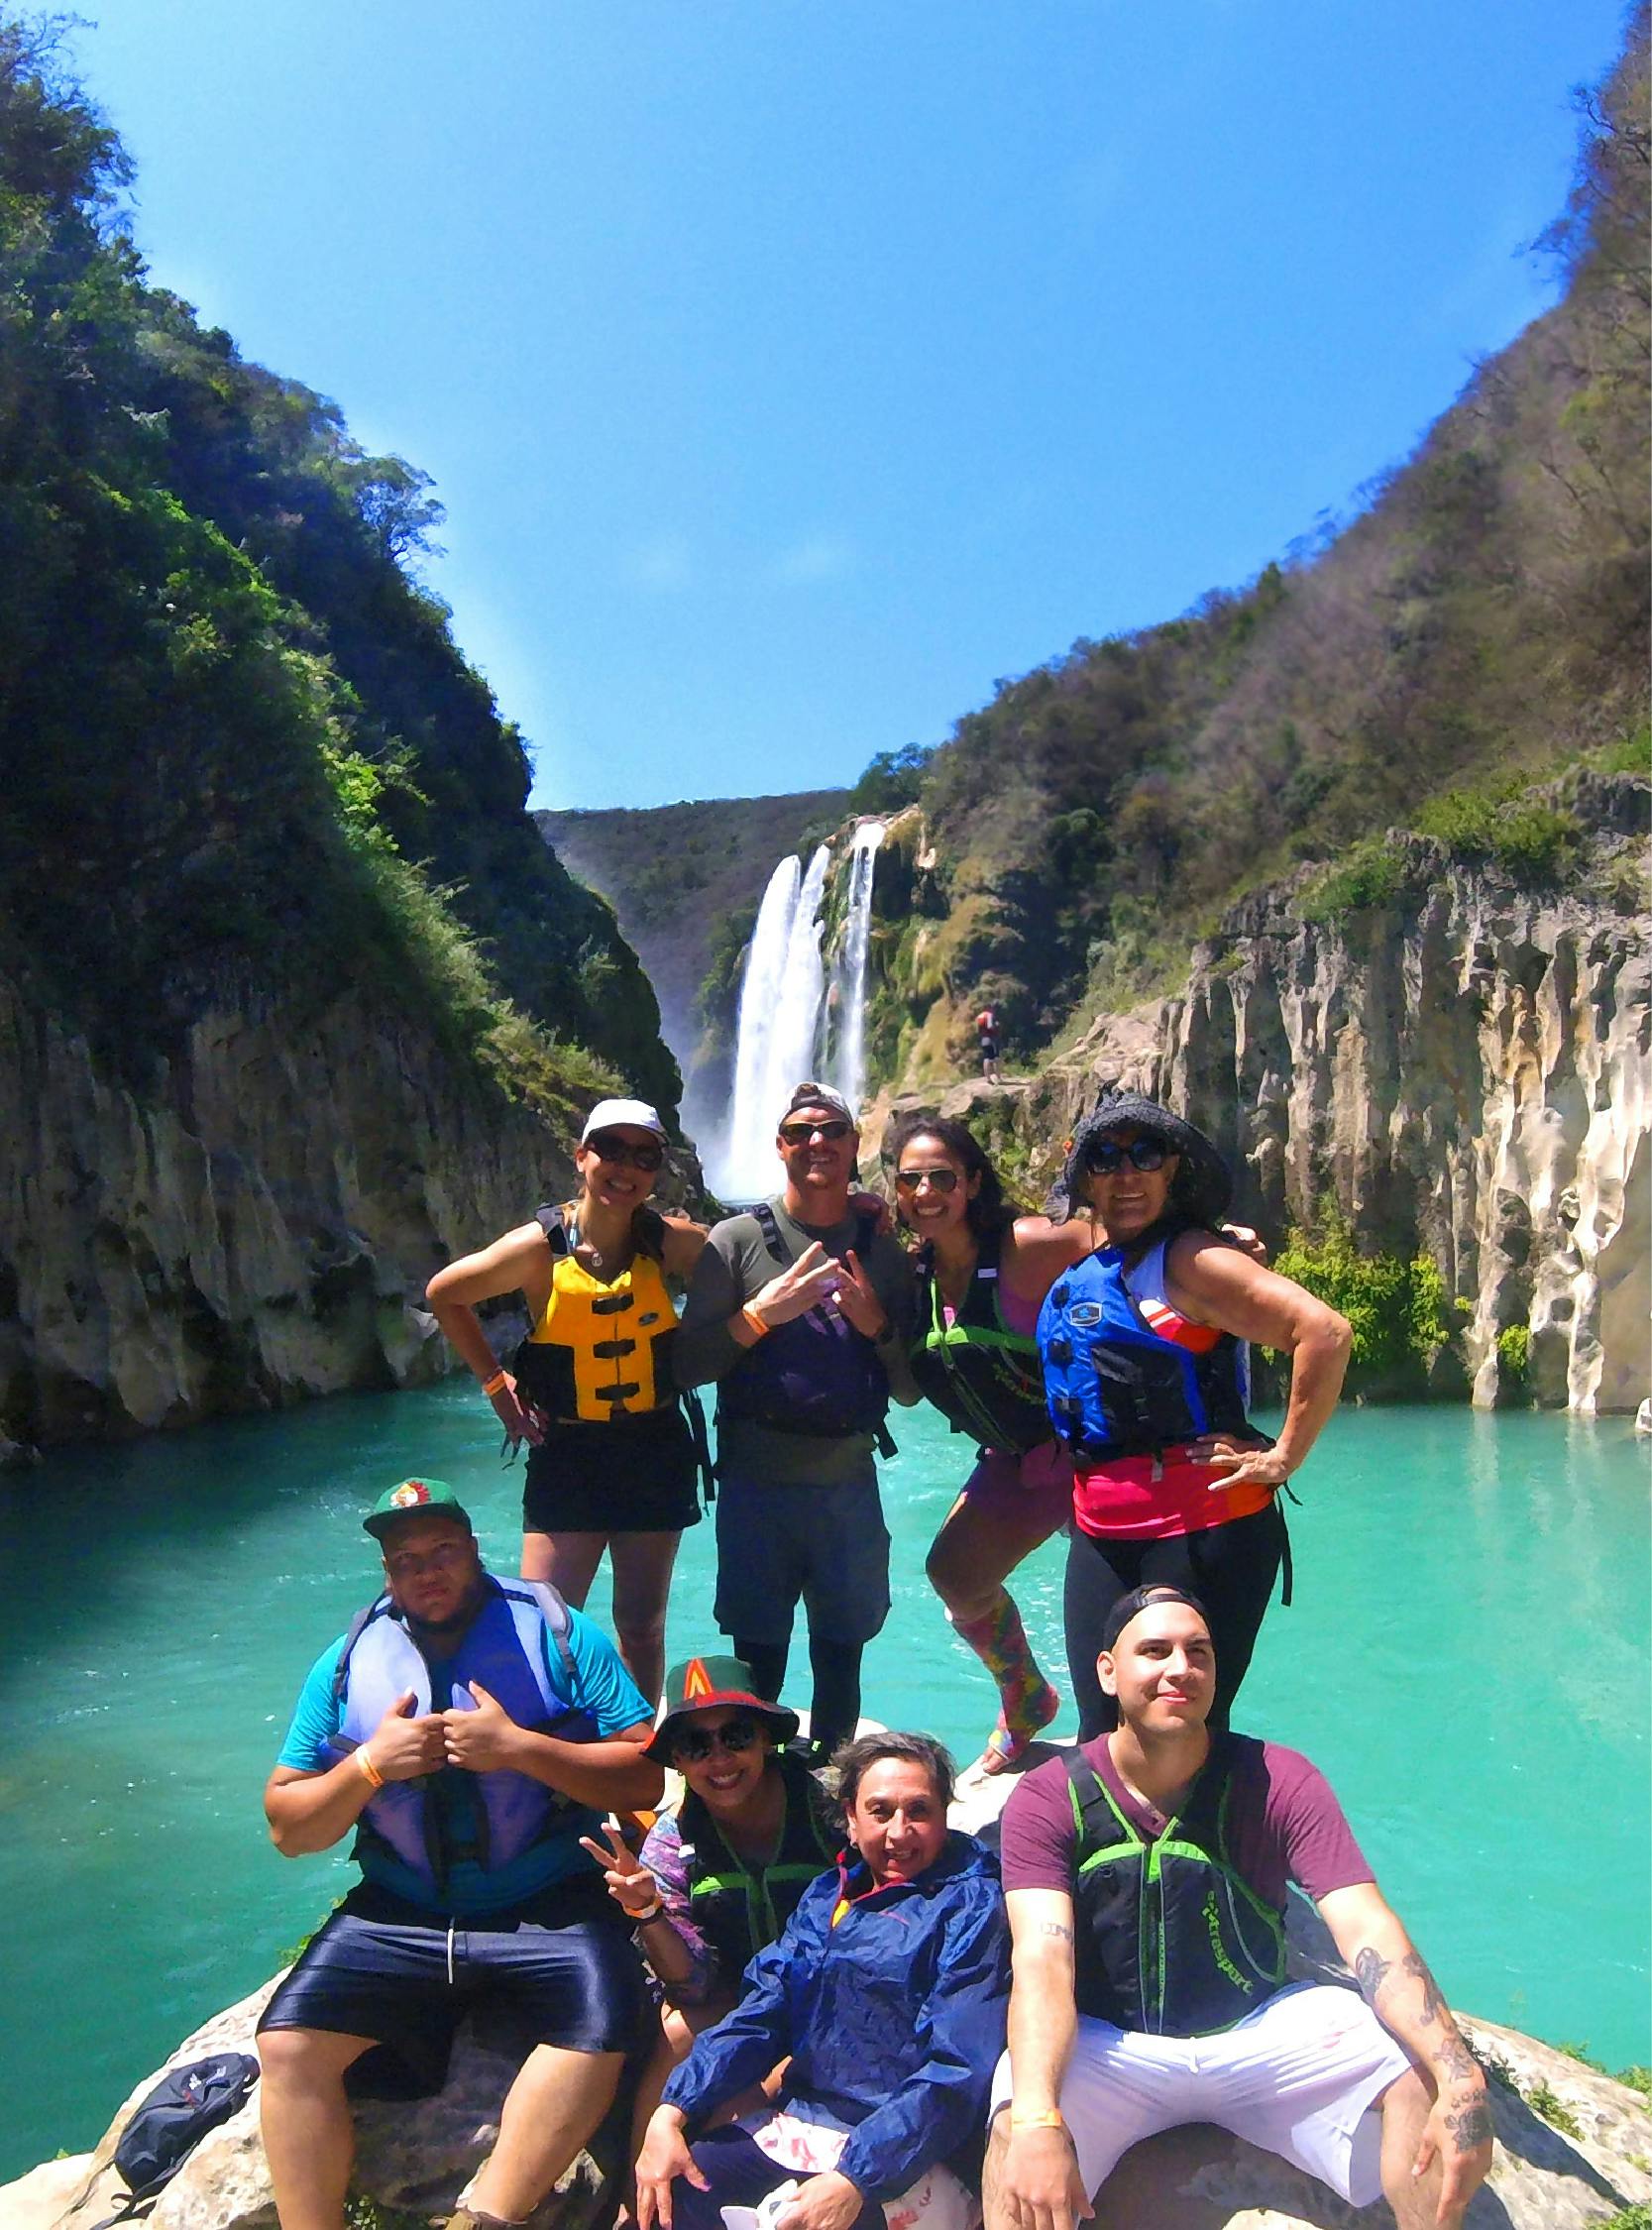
[415,1497]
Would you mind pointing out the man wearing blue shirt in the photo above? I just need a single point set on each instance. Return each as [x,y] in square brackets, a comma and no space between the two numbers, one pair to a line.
[470,1731]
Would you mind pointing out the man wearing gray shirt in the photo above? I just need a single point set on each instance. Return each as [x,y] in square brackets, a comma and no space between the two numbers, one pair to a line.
[801,1311]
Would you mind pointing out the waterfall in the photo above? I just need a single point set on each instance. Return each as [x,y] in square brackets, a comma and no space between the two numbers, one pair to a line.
[780,1000]
[787,1015]
[850,975]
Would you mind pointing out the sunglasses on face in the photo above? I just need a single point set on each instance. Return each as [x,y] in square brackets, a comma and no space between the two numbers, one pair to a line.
[802,1134]
[938,1181]
[695,1744]
[622,1154]
[1107,1156]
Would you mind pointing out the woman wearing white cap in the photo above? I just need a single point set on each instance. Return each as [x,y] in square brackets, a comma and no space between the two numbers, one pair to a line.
[613,1462]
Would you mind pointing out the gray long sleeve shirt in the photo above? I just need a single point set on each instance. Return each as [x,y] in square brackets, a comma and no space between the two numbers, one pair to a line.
[735,1264]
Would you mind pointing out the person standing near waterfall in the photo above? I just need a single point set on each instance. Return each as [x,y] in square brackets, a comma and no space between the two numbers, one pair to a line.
[800,1312]
[613,1462]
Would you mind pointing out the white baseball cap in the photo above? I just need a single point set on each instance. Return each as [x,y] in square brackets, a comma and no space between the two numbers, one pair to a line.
[637,1112]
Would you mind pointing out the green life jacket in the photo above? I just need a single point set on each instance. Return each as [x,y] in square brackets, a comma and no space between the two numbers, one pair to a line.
[981,1375]
[737,1908]
[1170,1938]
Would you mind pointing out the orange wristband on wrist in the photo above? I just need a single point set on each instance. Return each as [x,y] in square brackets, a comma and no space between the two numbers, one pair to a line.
[759,1324]
[497,1383]
[368,1771]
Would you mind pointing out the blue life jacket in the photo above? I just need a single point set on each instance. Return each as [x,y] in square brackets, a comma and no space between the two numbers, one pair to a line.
[816,1375]
[1170,1937]
[981,1375]
[1117,1387]
[422,1828]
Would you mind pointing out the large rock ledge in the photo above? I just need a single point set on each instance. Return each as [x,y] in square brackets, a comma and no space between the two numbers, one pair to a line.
[414,2159]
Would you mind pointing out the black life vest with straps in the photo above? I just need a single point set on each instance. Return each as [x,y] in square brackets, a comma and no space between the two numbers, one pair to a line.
[981,1375]
[740,1908]
[816,1375]
[1170,1937]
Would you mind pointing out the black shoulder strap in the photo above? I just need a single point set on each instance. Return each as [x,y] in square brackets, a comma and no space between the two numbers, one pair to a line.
[648,1233]
[770,1229]
[378,1608]
[553,1222]
[867,1229]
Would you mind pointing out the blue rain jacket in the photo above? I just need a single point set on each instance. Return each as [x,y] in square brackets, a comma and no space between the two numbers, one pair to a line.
[894,2019]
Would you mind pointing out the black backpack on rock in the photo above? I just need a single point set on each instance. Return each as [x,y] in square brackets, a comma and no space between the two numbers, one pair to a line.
[184,2106]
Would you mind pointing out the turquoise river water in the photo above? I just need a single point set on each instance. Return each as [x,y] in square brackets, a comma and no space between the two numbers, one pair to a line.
[1466,1658]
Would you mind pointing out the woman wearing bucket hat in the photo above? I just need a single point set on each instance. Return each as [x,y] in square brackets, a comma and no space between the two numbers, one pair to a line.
[1144,1360]
[613,1460]
[720,1877]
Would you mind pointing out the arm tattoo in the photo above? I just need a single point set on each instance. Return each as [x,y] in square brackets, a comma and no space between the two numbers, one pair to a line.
[1371,1971]
[1434,2006]
[1057,1929]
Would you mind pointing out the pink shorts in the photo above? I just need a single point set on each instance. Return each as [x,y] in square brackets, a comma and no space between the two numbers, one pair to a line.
[1037,1483]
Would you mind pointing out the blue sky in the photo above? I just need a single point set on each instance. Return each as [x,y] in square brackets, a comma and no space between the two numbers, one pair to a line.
[791,369]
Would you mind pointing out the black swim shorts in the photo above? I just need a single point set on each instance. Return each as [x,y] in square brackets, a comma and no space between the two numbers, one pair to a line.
[569,1976]
[634,1476]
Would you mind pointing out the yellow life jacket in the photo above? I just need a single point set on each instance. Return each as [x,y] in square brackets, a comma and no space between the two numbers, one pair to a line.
[600,1350]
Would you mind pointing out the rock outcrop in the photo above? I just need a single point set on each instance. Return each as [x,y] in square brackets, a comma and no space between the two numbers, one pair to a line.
[1463,1072]
[257,1226]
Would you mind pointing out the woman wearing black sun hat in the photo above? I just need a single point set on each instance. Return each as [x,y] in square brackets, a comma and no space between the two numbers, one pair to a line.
[1144,1346]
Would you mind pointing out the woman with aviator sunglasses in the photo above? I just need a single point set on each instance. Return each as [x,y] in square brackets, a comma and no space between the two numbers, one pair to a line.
[720,1876]
[1144,1360]
[613,1462]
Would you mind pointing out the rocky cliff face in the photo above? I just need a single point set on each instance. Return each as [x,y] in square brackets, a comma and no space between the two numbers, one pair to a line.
[1463,1071]
[258,1228]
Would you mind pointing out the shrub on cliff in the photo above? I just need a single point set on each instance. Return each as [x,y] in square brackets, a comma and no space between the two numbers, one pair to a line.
[1397,1311]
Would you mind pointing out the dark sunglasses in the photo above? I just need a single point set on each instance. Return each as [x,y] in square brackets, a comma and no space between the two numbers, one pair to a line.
[1107,1156]
[610,1146]
[800,1134]
[938,1181]
[695,1744]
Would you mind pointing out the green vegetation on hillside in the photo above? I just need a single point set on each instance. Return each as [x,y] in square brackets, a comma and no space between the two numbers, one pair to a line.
[244,760]
[1432,664]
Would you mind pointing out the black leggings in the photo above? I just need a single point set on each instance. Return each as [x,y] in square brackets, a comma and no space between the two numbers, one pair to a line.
[1230,1568]
[834,1666]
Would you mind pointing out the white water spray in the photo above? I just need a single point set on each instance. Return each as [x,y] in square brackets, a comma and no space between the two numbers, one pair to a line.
[780,999]
[850,975]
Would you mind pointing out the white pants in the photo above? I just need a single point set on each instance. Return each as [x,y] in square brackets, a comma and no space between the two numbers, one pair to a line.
[1301,2077]
[936,2202]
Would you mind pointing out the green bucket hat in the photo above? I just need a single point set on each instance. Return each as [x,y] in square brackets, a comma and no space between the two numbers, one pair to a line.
[415,1497]
[704,1683]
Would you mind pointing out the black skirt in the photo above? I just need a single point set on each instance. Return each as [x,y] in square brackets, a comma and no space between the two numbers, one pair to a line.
[636,1475]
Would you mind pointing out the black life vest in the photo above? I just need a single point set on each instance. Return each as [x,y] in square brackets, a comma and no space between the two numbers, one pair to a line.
[816,1375]
[1169,1939]
[1116,1385]
[740,1908]
[981,1375]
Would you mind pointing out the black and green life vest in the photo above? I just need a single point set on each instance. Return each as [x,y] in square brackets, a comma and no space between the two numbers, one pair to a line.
[981,1375]
[1169,1939]
[737,1908]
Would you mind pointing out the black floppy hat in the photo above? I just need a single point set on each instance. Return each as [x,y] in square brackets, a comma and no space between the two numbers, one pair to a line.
[1203,1187]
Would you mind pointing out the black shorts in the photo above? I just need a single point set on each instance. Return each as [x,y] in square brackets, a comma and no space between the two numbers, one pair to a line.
[560,1969]
[634,1476]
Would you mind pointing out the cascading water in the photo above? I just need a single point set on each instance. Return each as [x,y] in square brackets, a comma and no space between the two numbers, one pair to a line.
[780,999]
[850,975]
[786,1013]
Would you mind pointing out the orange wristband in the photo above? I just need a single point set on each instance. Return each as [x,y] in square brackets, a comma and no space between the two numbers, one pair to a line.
[497,1383]
[759,1324]
[368,1771]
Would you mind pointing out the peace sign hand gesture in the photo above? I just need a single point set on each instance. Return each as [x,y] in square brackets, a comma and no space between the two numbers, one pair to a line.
[631,1886]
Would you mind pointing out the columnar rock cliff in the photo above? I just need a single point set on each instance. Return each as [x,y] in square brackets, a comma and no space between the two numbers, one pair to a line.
[1463,1071]
[257,1227]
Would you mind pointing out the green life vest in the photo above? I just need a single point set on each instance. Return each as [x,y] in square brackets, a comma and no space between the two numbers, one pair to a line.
[981,1375]
[1170,1938]
[738,1908]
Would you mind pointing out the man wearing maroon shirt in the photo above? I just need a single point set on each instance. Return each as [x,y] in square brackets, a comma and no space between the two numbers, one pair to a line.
[1146,1875]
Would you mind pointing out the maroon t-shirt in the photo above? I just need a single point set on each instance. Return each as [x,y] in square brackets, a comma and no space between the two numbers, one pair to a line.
[1283,1823]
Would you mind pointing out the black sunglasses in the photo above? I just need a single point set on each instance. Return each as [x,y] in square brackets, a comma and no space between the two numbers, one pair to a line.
[939,1181]
[800,1134]
[695,1744]
[1107,1156]
[611,1146]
